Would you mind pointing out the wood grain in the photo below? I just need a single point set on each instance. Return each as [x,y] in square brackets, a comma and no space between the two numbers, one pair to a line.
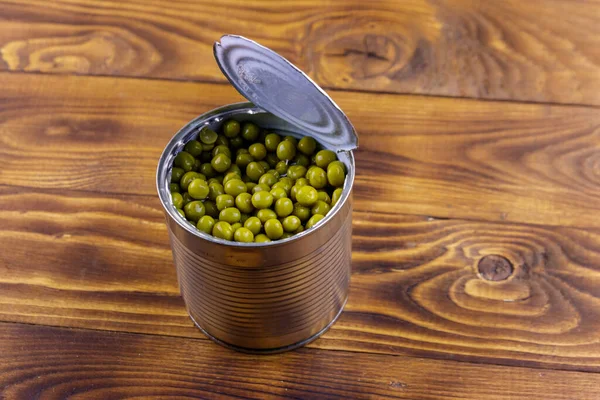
[102,261]
[450,158]
[544,51]
[89,364]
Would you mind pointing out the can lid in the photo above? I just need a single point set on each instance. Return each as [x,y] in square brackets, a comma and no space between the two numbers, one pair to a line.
[273,83]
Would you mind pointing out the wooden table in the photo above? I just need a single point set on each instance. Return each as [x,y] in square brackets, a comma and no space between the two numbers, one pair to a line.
[476,264]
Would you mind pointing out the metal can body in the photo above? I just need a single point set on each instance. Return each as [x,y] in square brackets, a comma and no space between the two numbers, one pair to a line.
[256,297]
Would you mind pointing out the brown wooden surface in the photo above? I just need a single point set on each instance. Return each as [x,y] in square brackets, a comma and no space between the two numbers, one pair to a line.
[496,161]
[116,365]
[543,51]
[476,237]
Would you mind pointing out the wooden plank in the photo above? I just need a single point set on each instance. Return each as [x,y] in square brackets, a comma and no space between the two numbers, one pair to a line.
[543,51]
[97,261]
[93,364]
[451,158]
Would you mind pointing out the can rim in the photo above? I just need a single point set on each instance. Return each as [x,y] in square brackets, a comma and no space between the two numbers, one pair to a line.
[214,116]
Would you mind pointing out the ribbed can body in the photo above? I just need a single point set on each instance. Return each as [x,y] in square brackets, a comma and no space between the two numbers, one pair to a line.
[263,298]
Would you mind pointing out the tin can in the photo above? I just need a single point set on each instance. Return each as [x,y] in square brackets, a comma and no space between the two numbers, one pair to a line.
[261,297]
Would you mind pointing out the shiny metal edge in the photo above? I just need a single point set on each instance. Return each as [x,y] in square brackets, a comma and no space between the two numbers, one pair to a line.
[279,349]
[212,118]
[217,49]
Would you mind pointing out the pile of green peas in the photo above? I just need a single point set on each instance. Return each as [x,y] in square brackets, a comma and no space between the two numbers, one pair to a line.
[250,185]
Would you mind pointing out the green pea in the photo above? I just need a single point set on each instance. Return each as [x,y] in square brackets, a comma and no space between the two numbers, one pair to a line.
[243,202]
[180,211]
[220,162]
[176,174]
[224,201]
[337,194]
[193,147]
[262,199]
[184,160]
[324,196]
[281,167]
[278,193]
[320,207]
[273,229]
[287,183]
[213,180]
[230,214]
[229,176]
[254,225]
[300,229]
[235,227]
[254,171]
[198,189]
[187,178]
[235,187]
[231,128]
[222,230]
[301,182]
[174,187]
[267,179]
[266,214]
[234,168]
[258,151]
[194,210]
[272,140]
[261,238]
[314,220]
[301,212]
[260,188]
[286,150]
[291,223]
[241,151]
[215,189]
[272,159]
[207,170]
[307,145]
[324,158]
[307,195]
[177,199]
[296,172]
[250,186]
[286,235]
[265,165]
[243,235]
[291,139]
[208,136]
[301,159]
[206,223]
[250,131]
[336,174]
[284,207]
[236,142]
[186,198]
[280,185]
[318,178]
[221,149]
[211,208]
[242,160]
[222,141]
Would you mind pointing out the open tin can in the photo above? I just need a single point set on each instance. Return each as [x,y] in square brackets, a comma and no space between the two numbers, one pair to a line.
[276,296]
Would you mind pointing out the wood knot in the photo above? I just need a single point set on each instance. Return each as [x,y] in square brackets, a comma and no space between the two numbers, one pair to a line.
[495,268]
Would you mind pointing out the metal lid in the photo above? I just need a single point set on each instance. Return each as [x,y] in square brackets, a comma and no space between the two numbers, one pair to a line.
[276,85]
